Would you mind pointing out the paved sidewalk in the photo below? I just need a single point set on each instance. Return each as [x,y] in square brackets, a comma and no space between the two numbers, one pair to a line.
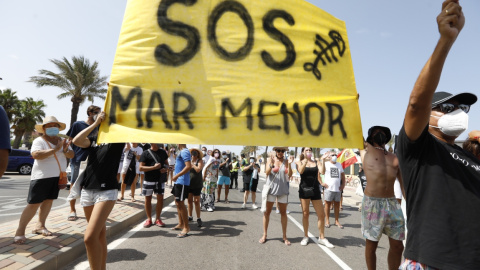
[57,251]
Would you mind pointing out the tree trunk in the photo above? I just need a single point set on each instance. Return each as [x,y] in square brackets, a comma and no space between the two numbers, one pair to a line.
[73,116]
[18,139]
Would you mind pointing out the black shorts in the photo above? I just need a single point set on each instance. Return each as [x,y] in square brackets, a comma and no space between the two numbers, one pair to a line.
[317,195]
[252,186]
[43,189]
[180,192]
[195,191]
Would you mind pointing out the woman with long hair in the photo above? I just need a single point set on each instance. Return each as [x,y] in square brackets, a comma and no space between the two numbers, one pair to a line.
[309,191]
[278,173]
[196,185]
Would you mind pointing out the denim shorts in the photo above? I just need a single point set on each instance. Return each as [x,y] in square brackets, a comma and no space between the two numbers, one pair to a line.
[223,180]
[91,197]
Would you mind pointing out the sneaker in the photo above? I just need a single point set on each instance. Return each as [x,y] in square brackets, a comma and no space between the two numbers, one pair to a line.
[209,209]
[243,206]
[288,212]
[254,206]
[278,211]
[199,222]
[159,223]
[190,218]
[304,241]
[147,223]
[325,242]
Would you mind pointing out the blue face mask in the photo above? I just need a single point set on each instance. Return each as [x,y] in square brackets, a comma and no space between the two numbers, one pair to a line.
[53,131]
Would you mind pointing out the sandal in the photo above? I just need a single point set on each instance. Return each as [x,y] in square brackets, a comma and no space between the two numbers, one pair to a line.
[226,201]
[43,232]
[287,243]
[19,239]
[72,216]
[339,226]
[133,200]
[262,240]
[120,199]
[327,225]
[217,201]
[182,235]
[176,228]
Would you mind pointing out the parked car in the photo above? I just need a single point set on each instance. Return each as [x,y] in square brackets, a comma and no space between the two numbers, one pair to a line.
[20,161]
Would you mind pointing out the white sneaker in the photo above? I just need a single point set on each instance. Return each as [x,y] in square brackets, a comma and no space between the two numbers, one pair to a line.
[243,206]
[209,209]
[304,241]
[325,242]
[288,212]
[278,211]
[254,206]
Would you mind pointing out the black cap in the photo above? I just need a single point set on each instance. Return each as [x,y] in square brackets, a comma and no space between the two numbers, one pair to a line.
[224,153]
[463,98]
[385,130]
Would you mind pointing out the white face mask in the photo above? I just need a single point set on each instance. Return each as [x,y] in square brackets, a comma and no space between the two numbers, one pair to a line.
[334,159]
[453,123]
[216,155]
[309,155]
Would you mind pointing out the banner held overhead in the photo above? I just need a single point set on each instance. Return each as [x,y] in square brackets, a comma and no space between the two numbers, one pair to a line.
[232,72]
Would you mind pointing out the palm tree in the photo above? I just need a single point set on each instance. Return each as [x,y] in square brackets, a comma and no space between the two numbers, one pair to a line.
[78,80]
[10,102]
[29,114]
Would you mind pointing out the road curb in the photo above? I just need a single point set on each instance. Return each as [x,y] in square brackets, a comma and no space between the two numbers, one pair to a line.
[67,255]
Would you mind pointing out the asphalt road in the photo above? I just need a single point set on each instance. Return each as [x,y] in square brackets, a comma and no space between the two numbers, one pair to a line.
[229,240]
[14,193]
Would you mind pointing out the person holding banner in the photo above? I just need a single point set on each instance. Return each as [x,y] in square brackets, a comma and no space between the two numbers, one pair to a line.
[309,191]
[442,180]
[99,192]
[278,174]
[381,212]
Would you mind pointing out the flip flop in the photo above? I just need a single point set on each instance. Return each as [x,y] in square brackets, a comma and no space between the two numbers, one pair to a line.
[339,226]
[43,232]
[327,225]
[176,228]
[19,239]
[287,243]
[226,201]
[133,200]
[182,235]
[120,199]
[262,240]
[72,216]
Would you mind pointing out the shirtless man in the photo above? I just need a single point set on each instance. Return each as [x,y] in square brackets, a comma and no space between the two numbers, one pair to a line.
[381,213]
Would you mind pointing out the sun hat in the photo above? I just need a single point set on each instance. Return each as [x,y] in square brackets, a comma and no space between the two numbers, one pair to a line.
[48,120]
[280,148]
[198,151]
[463,98]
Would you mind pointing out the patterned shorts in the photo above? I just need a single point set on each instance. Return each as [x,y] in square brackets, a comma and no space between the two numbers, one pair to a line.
[209,187]
[413,265]
[382,215]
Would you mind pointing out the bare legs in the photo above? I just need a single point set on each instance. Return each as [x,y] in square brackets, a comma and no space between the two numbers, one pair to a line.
[182,217]
[317,205]
[95,234]
[336,207]
[29,212]
[191,201]
[266,220]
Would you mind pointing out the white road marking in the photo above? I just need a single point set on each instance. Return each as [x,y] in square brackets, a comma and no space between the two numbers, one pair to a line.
[84,265]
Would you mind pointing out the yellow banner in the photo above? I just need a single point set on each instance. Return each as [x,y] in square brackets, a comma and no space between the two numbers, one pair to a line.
[242,72]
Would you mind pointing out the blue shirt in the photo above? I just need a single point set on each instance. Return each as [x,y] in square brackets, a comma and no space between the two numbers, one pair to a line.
[4,130]
[81,154]
[180,164]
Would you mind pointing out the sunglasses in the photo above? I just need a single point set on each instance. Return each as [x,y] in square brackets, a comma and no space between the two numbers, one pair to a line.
[448,107]
[280,151]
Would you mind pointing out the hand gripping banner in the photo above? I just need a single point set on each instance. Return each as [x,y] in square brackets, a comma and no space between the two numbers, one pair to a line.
[241,72]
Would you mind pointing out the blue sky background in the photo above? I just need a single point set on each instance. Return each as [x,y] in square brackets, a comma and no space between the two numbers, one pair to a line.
[390,41]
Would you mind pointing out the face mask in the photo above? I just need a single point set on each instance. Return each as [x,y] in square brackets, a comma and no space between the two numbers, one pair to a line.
[309,155]
[224,156]
[380,138]
[216,155]
[95,117]
[204,152]
[53,131]
[453,123]
[334,159]
[252,160]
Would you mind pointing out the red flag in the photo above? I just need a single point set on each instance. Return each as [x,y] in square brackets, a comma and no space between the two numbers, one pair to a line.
[346,158]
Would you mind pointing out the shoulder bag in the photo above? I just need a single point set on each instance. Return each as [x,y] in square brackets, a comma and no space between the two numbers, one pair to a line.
[62,180]
[163,178]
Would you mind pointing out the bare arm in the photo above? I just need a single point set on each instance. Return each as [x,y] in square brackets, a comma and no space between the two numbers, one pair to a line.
[342,185]
[144,168]
[43,154]
[81,139]
[301,165]
[199,167]
[419,106]
[400,180]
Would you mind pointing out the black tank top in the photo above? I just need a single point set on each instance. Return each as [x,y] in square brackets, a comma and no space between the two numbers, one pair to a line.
[196,180]
[309,177]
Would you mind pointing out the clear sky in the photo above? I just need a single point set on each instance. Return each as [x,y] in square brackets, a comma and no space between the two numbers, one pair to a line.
[390,41]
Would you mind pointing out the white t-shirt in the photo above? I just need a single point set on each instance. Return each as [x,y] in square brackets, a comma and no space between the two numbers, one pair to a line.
[47,167]
[333,176]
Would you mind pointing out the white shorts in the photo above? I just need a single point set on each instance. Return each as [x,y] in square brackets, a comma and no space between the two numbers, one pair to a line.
[91,197]
[120,167]
[280,199]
